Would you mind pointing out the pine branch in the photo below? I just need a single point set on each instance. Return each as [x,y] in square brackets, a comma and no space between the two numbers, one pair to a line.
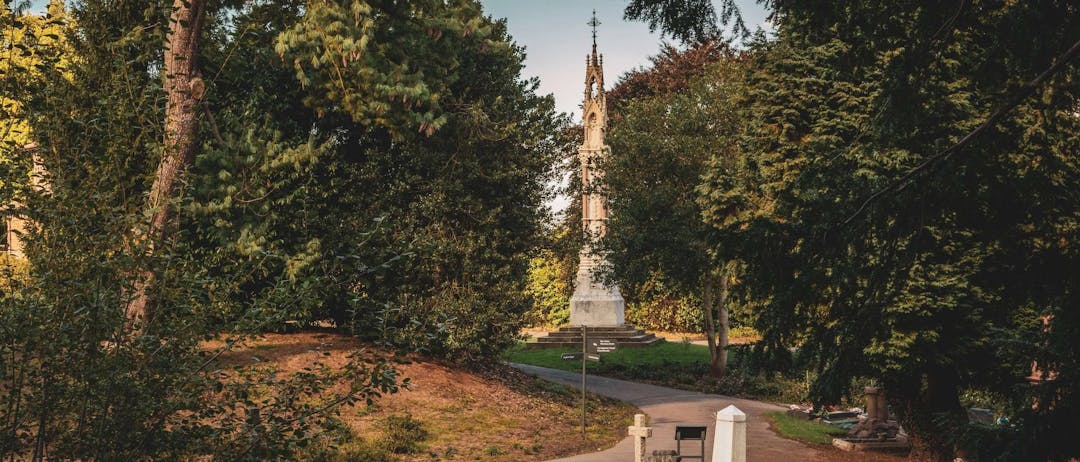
[1018,98]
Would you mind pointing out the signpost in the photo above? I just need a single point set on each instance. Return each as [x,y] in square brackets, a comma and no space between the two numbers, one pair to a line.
[590,351]
[584,341]
[602,346]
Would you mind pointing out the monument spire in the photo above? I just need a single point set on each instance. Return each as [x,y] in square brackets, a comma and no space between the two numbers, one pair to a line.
[594,23]
[594,303]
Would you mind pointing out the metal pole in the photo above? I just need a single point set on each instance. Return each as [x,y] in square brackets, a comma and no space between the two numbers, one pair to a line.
[584,352]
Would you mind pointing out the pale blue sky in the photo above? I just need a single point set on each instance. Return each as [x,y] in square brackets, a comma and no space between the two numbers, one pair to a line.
[556,40]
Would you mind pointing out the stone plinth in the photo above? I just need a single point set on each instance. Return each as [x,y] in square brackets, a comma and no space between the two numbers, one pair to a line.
[597,309]
[570,337]
[595,304]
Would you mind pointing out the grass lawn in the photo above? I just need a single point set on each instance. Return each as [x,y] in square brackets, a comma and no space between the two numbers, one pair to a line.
[803,430]
[667,354]
[680,365]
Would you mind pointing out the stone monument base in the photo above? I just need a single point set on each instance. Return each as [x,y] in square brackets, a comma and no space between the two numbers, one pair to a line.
[570,337]
[594,303]
[597,309]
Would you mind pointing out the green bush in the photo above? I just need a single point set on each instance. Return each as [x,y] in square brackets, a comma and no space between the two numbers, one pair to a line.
[403,434]
[356,450]
[743,331]
[666,313]
[549,292]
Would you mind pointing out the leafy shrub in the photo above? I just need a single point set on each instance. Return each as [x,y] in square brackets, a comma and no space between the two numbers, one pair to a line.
[457,323]
[355,450]
[549,291]
[403,434]
[666,313]
[743,332]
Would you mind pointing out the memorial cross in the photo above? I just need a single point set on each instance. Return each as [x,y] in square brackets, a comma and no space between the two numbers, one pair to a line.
[639,431]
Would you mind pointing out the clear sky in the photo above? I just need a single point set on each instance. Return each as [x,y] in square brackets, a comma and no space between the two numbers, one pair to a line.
[556,40]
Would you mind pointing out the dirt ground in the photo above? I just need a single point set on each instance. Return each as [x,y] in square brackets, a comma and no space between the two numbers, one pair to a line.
[494,415]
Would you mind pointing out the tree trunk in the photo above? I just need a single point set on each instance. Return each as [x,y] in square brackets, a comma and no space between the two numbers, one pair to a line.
[933,416]
[710,326]
[724,327]
[184,89]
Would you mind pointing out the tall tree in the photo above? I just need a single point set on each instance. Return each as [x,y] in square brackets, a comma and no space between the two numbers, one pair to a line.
[333,187]
[184,89]
[660,148]
[903,247]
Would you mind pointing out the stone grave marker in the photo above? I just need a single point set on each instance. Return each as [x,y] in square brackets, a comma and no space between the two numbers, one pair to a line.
[640,431]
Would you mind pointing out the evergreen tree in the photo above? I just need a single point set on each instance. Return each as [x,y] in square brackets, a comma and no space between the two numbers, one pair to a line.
[908,201]
[403,201]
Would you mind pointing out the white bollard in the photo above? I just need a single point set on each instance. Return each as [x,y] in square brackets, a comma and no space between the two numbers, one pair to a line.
[729,442]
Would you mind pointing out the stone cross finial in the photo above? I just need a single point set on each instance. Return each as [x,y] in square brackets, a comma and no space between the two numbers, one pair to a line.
[593,22]
[639,431]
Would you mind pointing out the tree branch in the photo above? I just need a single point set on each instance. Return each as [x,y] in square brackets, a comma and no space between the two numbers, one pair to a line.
[1019,97]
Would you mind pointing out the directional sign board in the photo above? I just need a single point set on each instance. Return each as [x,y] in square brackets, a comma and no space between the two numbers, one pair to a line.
[601,346]
[577,357]
[591,357]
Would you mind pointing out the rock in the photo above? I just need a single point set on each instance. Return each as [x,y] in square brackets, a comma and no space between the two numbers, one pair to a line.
[799,413]
[663,456]
[875,428]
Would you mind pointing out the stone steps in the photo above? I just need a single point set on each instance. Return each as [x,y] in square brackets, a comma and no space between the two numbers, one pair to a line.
[570,337]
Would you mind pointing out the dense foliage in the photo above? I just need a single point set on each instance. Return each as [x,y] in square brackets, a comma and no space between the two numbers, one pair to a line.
[401,204]
[669,126]
[457,209]
[908,213]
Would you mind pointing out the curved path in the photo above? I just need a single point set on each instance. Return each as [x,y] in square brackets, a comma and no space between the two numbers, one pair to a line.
[669,407]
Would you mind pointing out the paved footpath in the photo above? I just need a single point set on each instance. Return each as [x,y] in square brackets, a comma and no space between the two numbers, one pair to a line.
[669,407]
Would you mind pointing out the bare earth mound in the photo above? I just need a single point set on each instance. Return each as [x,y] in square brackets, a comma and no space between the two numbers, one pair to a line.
[498,414]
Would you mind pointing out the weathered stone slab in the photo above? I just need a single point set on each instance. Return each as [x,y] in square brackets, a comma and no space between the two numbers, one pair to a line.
[900,443]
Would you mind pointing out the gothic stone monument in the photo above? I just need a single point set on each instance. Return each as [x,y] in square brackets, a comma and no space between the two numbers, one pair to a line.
[594,304]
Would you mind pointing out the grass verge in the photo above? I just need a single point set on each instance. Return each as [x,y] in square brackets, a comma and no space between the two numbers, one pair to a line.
[806,431]
[673,364]
[663,354]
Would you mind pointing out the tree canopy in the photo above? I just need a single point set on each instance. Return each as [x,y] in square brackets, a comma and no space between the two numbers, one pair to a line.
[905,199]
[379,166]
